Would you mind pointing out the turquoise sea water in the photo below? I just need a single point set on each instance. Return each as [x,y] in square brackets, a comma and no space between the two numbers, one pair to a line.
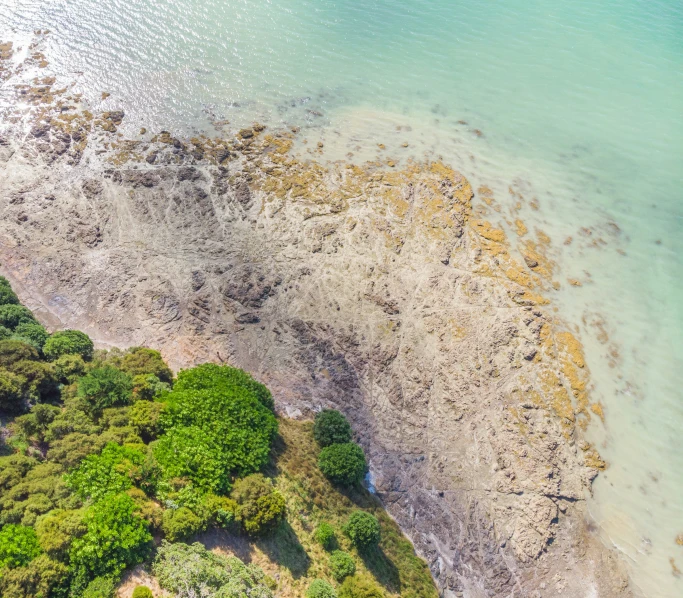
[579,104]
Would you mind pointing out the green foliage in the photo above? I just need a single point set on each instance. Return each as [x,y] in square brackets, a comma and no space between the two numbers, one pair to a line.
[146,387]
[179,524]
[105,387]
[331,427]
[211,375]
[189,571]
[320,589]
[325,536]
[57,529]
[144,417]
[12,315]
[213,433]
[360,587]
[11,393]
[142,592]
[12,351]
[110,472]
[37,379]
[140,361]
[42,577]
[342,565]
[5,333]
[68,368]
[343,463]
[100,587]
[215,510]
[363,529]
[34,425]
[32,333]
[115,538]
[18,545]
[7,295]
[260,507]
[68,342]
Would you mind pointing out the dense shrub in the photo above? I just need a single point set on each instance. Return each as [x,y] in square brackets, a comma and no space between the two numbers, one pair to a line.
[343,463]
[260,506]
[12,351]
[32,333]
[142,592]
[342,565]
[11,393]
[43,576]
[115,538]
[100,587]
[331,427]
[105,387]
[180,524]
[144,417]
[38,379]
[110,472]
[7,295]
[211,375]
[34,425]
[13,315]
[189,571]
[363,529]
[325,536]
[18,546]
[68,368]
[68,342]
[360,587]
[140,361]
[146,387]
[320,589]
[57,530]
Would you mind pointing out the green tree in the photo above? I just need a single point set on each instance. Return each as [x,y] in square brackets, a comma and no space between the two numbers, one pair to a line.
[260,507]
[7,295]
[57,529]
[32,333]
[69,368]
[144,417]
[210,375]
[142,592]
[331,427]
[189,571]
[343,463]
[39,382]
[68,342]
[180,524]
[140,361]
[115,538]
[11,393]
[325,536]
[146,387]
[342,565]
[360,587]
[43,576]
[100,587]
[363,529]
[12,351]
[34,425]
[13,315]
[105,387]
[320,588]
[18,546]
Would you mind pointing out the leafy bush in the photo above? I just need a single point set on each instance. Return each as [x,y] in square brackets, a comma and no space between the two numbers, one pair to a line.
[43,576]
[140,361]
[260,506]
[331,427]
[363,529]
[343,463]
[360,587]
[13,315]
[12,351]
[68,368]
[114,539]
[142,592]
[189,571]
[7,295]
[34,425]
[68,342]
[18,546]
[211,375]
[146,387]
[342,565]
[11,392]
[325,536]
[179,524]
[100,587]
[57,530]
[105,387]
[33,333]
[38,380]
[144,417]
[110,472]
[320,589]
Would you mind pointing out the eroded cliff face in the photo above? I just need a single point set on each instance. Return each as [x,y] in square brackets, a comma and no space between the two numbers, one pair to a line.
[380,292]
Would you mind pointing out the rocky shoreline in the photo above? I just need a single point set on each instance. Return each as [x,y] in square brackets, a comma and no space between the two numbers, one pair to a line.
[379,291]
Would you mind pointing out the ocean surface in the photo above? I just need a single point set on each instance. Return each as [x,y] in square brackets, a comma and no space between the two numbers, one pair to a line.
[576,105]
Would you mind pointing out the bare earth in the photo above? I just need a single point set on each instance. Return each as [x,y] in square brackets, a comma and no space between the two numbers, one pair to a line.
[380,292]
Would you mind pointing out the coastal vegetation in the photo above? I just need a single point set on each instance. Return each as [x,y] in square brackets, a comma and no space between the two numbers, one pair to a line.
[109,465]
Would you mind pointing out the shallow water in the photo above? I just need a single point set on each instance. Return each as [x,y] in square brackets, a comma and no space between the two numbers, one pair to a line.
[579,105]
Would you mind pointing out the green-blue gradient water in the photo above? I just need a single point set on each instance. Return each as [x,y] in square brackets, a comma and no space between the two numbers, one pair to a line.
[578,104]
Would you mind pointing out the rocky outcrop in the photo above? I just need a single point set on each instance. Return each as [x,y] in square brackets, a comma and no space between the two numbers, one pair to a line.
[382,293]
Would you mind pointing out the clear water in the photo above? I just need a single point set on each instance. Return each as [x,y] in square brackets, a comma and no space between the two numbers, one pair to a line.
[580,105]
